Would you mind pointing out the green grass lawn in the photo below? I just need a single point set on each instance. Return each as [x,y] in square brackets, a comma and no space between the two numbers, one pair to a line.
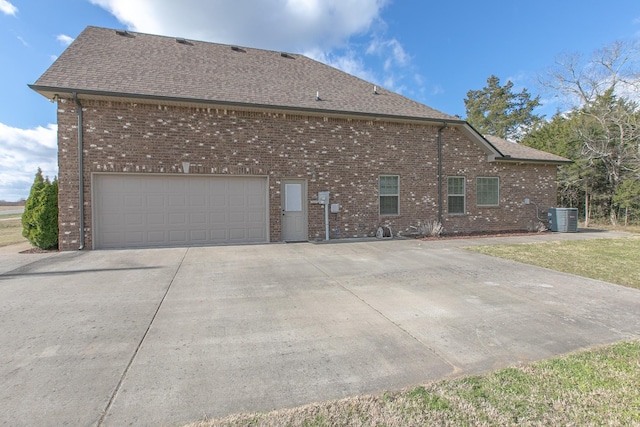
[611,260]
[11,229]
[596,387]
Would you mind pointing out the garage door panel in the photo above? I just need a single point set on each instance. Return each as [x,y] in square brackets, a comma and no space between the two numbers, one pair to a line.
[110,220]
[133,220]
[219,235]
[198,186]
[113,238]
[236,186]
[198,236]
[218,203]
[255,187]
[198,218]
[255,201]
[155,186]
[155,201]
[156,219]
[154,210]
[218,186]
[176,201]
[138,186]
[178,236]
[156,237]
[256,217]
[198,200]
[177,219]
[133,201]
[237,234]
[256,234]
[111,203]
[177,185]
[236,217]
[134,238]
[236,201]
[218,218]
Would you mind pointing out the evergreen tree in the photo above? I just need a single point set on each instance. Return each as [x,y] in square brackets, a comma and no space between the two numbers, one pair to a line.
[40,217]
[599,90]
[497,110]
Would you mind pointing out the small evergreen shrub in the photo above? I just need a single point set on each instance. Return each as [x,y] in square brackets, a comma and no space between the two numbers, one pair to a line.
[40,217]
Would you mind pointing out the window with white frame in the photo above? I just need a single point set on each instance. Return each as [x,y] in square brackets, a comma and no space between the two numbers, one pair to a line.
[389,186]
[488,191]
[456,194]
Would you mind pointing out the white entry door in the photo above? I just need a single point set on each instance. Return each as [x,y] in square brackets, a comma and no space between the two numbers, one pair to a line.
[294,210]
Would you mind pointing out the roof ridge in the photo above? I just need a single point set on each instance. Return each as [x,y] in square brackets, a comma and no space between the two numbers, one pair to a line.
[195,40]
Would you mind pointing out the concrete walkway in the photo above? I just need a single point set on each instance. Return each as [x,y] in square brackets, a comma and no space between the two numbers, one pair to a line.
[168,336]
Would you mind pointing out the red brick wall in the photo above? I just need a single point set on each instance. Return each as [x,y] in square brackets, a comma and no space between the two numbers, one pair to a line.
[342,156]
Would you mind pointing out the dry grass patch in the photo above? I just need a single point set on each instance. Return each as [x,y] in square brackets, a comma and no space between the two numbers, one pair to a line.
[611,260]
[11,229]
[596,387]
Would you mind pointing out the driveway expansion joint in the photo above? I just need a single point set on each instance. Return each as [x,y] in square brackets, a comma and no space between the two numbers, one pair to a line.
[455,369]
[112,399]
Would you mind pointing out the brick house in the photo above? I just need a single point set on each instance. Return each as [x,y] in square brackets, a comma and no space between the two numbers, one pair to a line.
[166,141]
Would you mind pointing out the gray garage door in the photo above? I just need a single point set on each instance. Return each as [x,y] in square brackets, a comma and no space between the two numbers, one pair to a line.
[134,211]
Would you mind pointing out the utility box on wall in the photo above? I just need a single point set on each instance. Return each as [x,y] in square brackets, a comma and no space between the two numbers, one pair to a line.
[563,220]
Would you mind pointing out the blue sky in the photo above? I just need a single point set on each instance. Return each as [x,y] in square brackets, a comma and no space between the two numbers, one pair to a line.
[433,52]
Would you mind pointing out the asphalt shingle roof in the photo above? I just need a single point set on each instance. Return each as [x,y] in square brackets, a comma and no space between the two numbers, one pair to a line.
[108,61]
[522,152]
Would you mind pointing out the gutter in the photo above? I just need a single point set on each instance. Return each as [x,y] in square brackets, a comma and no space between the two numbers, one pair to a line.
[439,138]
[43,90]
[80,171]
[509,159]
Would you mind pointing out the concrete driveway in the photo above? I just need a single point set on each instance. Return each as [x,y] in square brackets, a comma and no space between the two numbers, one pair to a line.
[168,336]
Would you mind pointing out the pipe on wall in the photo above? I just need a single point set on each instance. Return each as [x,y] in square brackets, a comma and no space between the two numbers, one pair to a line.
[80,171]
[444,125]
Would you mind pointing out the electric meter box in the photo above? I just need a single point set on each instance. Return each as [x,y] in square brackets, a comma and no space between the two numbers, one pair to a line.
[323,197]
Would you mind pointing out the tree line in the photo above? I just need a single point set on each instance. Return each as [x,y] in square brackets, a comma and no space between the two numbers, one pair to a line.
[598,129]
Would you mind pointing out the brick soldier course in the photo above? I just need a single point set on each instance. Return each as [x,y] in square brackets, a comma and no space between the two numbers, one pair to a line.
[261,116]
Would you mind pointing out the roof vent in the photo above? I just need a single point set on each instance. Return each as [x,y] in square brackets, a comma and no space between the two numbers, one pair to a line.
[237,49]
[124,33]
[286,55]
[375,90]
[184,41]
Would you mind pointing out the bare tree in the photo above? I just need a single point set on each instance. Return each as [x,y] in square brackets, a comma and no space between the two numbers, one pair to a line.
[578,81]
[603,93]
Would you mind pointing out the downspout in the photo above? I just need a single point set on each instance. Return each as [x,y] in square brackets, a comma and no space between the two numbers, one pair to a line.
[80,173]
[444,125]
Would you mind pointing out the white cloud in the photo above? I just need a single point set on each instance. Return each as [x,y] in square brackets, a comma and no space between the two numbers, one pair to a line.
[64,39]
[391,49]
[22,151]
[23,41]
[292,25]
[7,8]
[349,62]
